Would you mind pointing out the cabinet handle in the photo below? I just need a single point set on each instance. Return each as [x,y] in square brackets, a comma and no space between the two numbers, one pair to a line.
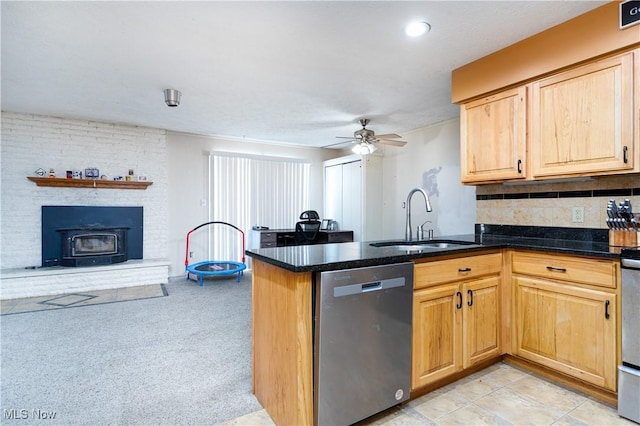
[520,166]
[554,269]
[464,270]
[606,309]
[470,294]
[625,158]
[459,304]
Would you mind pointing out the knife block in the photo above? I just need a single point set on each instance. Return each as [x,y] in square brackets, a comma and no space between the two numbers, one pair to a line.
[624,238]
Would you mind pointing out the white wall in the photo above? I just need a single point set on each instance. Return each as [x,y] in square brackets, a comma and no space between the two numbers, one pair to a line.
[188,181]
[431,160]
[32,141]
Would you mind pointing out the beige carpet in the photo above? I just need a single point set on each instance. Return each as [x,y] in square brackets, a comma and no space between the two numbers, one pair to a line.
[184,359]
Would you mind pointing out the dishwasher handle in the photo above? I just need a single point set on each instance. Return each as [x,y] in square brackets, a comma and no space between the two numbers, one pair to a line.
[351,289]
[630,263]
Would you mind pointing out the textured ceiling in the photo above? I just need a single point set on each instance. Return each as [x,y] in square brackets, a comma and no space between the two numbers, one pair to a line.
[291,72]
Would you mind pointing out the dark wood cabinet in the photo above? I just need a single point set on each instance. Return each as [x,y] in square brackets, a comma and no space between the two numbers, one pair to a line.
[287,237]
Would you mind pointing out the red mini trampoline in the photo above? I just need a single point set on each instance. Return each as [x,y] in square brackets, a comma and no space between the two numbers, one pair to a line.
[214,267]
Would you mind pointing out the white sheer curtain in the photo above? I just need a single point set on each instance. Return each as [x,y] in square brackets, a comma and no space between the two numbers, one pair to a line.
[250,190]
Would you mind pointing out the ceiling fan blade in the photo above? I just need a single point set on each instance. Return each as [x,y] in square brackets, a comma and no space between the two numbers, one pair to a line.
[338,143]
[393,143]
[389,136]
[346,137]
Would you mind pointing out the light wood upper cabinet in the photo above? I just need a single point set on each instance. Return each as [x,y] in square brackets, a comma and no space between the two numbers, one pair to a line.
[493,137]
[582,120]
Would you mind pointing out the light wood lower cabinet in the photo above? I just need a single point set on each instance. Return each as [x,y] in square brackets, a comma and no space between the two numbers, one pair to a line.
[437,325]
[563,324]
[456,324]
[482,314]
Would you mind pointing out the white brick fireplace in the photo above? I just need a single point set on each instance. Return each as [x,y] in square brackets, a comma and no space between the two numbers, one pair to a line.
[30,142]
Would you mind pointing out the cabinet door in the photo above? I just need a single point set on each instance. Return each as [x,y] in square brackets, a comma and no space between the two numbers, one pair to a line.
[567,328]
[436,351]
[482,320]
[493,137]
[582,120]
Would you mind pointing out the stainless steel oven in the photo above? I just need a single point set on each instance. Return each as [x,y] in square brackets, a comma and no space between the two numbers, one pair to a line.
[629,371]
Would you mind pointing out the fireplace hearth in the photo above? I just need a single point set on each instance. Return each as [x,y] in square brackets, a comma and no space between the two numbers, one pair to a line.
[93,246]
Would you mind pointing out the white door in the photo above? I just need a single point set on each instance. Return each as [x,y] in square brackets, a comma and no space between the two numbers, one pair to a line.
[352,198]
[333,193]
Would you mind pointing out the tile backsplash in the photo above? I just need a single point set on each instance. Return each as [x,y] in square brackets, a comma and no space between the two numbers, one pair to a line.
[551,203]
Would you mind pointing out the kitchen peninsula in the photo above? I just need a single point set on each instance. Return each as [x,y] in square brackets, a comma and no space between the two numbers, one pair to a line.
[285,279]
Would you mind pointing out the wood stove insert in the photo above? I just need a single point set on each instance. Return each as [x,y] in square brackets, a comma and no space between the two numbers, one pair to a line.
[93,246]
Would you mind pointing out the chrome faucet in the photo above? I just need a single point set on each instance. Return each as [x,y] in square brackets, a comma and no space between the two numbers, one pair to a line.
[407,234]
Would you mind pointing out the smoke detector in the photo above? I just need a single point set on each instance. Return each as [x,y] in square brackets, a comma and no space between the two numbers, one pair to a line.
[172,97]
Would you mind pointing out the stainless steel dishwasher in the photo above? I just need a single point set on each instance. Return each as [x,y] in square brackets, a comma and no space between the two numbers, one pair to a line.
[362,353]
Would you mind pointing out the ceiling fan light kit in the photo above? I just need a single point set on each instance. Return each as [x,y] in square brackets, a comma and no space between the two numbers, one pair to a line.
[364,148]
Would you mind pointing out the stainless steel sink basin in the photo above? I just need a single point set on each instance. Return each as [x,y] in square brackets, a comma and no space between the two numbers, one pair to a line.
[422,245]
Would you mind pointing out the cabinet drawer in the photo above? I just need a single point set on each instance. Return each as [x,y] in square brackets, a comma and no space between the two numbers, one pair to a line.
[268,244]
[442,271]
[340,237]
[267,237]
[598,272]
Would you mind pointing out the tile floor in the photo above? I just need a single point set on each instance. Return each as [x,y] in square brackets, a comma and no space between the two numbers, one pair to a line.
[497,395]
[83,298]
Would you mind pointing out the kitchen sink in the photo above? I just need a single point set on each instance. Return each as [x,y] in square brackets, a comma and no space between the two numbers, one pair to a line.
[423,245]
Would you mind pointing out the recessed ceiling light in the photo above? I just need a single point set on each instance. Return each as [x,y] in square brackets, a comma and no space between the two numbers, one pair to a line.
[415,29]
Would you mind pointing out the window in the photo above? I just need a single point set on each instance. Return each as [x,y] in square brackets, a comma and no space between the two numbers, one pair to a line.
[250,190]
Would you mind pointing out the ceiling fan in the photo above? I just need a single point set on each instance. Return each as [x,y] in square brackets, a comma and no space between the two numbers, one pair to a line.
[365,139]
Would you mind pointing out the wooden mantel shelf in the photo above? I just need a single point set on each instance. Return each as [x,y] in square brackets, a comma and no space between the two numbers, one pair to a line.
[89,183]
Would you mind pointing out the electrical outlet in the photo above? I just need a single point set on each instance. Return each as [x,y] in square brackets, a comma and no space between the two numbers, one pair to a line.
[577,214]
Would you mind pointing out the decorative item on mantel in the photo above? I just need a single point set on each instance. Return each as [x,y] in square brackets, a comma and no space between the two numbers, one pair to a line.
[91,173]
[92,179]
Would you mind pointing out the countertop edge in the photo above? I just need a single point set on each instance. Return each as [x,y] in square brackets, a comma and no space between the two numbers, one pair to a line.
[403,257]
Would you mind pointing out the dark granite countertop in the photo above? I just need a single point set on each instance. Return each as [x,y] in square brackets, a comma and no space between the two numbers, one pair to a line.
[327,257]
